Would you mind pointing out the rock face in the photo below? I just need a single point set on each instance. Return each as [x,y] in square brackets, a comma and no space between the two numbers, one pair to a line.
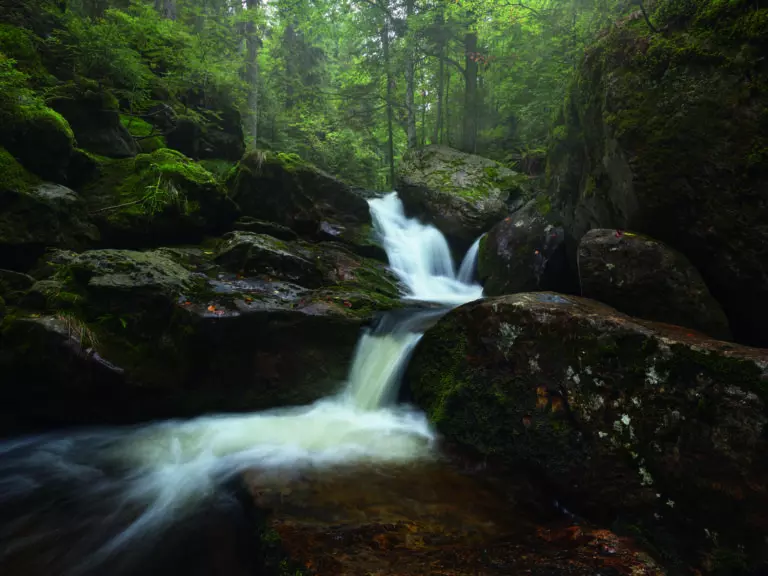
[623,419]
[282,188]
[182,335]
[645,278]
[95,121]
[461,194]
[162,197]
[35,215]
[523,253]
[663,134]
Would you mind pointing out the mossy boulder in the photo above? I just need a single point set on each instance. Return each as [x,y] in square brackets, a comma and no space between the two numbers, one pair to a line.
[284,189]
[463,195]
[626,421]
[209,135]
[95,120]
[664,134]
[645,278]
[38,136]
[157,198]
[186,336]
[523,253]
[35,215]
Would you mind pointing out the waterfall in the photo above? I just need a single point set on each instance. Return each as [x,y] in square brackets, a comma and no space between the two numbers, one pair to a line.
[166,470]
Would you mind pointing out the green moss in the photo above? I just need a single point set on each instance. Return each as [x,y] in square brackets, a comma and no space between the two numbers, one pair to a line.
[46,116]
[138,127]
[14,175]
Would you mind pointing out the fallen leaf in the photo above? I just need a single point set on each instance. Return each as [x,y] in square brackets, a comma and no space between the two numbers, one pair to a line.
[211,308]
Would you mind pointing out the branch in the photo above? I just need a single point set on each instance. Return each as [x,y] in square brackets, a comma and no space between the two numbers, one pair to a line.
[449,60]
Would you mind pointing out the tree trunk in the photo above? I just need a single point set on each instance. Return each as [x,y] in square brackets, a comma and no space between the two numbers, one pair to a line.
[166,9]
[469,132]
[389,79]
[252,72]
[438,135]
[448,109]
[410,74]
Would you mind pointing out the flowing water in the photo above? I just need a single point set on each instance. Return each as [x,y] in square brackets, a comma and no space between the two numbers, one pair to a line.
[162,474]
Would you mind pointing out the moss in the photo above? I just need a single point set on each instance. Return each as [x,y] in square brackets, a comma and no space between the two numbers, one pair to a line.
[47,116]
[14,175]
[137,127]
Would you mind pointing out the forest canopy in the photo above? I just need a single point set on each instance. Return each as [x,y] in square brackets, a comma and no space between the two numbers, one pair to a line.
[349,85]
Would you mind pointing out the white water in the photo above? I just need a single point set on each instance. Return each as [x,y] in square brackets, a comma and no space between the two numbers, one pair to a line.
[175,465]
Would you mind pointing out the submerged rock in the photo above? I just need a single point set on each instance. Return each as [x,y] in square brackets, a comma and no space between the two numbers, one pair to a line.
[36,215]
[162,197]
[461,194]
[523,253]
[645,278]
[284,189]
[663,134]
[625,420]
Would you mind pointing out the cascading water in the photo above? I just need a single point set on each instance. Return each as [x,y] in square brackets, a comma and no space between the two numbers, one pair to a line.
[167,470]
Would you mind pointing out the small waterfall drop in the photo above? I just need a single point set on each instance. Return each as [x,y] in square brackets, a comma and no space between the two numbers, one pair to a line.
[166,470]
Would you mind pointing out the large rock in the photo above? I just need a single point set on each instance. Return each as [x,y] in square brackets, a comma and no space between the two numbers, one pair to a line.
[158,198]
[39,137]
[187,336]
[523,253]
[95,121]
[663,134]
[627,421]
[645,278]
[35,215]
[218,138]
[282,188]
[461,194]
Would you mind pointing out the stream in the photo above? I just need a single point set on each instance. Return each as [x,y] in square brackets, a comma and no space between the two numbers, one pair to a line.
[356,482]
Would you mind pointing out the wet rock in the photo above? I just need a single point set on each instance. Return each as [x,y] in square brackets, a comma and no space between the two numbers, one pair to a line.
[192,338]
[645,278]
[95,121]
[524,253]
[284,189]
[209,135]
[157,198]
[35,215]
[13,285]
[461,194]
[247,252]
[669,146]
[625,420]
[248,224]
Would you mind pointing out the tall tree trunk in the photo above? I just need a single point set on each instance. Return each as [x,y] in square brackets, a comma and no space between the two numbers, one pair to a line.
[252,72]
[448,109]
[166,8]
[469,132]
[410,75]
[438,134]
[390,80]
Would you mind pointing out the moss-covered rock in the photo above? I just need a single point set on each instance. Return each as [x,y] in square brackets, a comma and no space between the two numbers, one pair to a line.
[38,136]
[94,118]
[664,134]
[284,189]
[461,194]
[209,135]
[248,224]
[14,285]
[624,420]
[162,197]
[523,253]
[645,278]
[36,215]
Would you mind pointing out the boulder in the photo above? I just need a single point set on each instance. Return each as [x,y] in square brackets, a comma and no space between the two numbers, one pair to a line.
[663,134]
[13,285]
[284,189]
[95,121]
[187,336]
[627,421]
[39,137]
[461,194]
[162,197]
[248,224]
[35,215]
[523,253]
[643,277]
[219,137]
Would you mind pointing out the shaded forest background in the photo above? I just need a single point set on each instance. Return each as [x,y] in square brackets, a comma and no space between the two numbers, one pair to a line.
[349,85]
